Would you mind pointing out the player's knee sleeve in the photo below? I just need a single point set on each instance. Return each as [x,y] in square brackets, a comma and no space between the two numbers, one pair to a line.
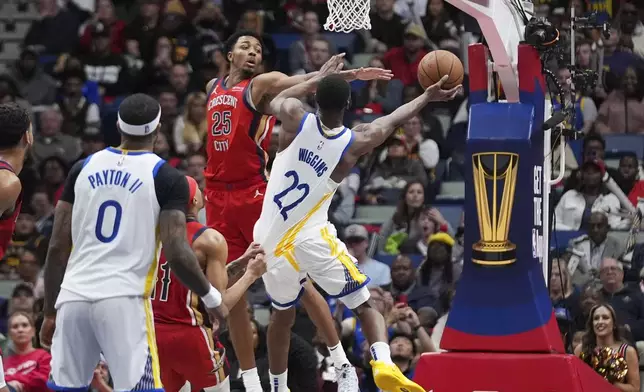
[357,298]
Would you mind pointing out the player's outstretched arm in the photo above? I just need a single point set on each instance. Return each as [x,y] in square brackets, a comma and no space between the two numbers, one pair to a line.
[215,249]
[369,136]
[60,246]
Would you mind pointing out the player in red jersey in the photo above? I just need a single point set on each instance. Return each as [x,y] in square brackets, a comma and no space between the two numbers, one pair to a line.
[187,349]
[15,139]
[236,179]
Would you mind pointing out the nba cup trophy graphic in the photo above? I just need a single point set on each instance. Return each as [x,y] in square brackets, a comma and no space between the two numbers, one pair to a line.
[494,206]
[501,333]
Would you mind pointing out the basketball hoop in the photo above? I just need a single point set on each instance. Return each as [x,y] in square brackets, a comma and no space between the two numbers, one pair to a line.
[348,15]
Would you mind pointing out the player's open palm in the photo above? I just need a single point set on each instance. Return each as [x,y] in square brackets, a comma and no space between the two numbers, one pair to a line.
[333,65]
[370,73]
[437,93]
[47,331]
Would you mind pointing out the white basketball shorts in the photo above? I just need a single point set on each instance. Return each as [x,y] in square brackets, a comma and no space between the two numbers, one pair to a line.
[324,259]
[121,328]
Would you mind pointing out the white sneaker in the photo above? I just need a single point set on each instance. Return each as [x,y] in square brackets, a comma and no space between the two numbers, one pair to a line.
[347,379]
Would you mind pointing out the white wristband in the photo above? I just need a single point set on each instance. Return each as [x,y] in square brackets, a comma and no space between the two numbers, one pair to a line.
[212,299]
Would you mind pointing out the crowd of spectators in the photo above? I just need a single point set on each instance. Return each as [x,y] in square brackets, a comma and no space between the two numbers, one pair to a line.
[78,61]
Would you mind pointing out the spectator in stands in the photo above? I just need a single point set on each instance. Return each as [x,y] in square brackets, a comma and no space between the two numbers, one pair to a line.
[253,19]
[73,64]
[169,108]
[420,148]
[437,271]
[43,210]
[180,81]
[343,203]
[588,250]
[300,51]
[405,288]
[34,84]
[53,171]
[162,149]
[9,92]
[27,370]
[404,225]
[379,97]
[25,236]
[77,111]
[29,267]
[623,109]
[106,14]
[593,147]
[438,23]
[396,171]
[107,69]
[387,27]
[565,300]
[403,60]
[631,25]
[91,141]
[196,163]
[101,381]
[576,205]
[628,178]
[356,238]
[628,301]
[585,109]
[190,128]
[616,59]
[50,141]
[302,361]
[319,52]
[584,57]
[142,32]
[57,30]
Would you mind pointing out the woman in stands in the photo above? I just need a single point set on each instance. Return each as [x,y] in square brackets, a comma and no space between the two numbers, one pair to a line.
[28,369]
[190,129]
[438,272]
[602,335]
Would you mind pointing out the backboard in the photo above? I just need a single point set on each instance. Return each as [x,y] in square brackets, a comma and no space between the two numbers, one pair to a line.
[503,28]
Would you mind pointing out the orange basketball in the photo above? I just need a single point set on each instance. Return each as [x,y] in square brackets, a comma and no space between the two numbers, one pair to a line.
[438,63]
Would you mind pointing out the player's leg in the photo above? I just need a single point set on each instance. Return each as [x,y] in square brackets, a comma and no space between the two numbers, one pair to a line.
[171,353]
[75,351]
[318,311]
[206,369]
[125,332]
[284,287]
[329,264]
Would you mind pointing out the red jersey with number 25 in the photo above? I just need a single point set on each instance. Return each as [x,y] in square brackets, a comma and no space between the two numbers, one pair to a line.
[8,221]
[238,136]
[172,302]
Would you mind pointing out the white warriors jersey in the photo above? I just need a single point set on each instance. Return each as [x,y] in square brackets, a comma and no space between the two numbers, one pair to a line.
[114,227]
[300,188]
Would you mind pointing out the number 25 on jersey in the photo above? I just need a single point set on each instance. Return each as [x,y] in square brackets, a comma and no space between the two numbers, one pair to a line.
[221,123]
[295,186]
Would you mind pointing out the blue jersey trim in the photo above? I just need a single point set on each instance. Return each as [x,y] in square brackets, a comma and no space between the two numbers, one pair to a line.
[198,233]
[299,129]
[52,385]
[157,167]
[87,160]
[348,144]
[288,304]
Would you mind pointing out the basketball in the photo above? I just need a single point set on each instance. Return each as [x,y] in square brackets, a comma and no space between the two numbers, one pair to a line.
[438,63]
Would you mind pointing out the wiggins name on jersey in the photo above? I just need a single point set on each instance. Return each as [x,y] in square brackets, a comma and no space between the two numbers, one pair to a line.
[300,188]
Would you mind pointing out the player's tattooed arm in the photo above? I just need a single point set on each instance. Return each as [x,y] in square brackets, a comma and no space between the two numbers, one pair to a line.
[236,268]
[182,259]
[60,247]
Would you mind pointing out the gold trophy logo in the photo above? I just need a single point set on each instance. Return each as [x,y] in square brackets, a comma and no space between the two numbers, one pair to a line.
[495,176]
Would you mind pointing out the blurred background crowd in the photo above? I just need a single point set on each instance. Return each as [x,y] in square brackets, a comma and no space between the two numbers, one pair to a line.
[400,212]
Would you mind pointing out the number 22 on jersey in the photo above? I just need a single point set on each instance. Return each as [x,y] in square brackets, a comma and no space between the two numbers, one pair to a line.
[295,186]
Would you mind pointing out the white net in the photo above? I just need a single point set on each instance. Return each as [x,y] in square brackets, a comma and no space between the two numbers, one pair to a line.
[348,15]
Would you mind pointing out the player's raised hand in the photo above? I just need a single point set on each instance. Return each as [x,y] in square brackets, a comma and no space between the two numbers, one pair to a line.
[334,65]
[47,331]
[257,266]
[369,73]
[435,92]
[253,250]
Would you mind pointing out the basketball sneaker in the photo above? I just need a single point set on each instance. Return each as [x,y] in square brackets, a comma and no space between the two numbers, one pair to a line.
[347,379]
[389,378]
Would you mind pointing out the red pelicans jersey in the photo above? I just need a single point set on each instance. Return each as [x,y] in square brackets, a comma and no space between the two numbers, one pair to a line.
[172,302]
[8,221]
[238,136]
